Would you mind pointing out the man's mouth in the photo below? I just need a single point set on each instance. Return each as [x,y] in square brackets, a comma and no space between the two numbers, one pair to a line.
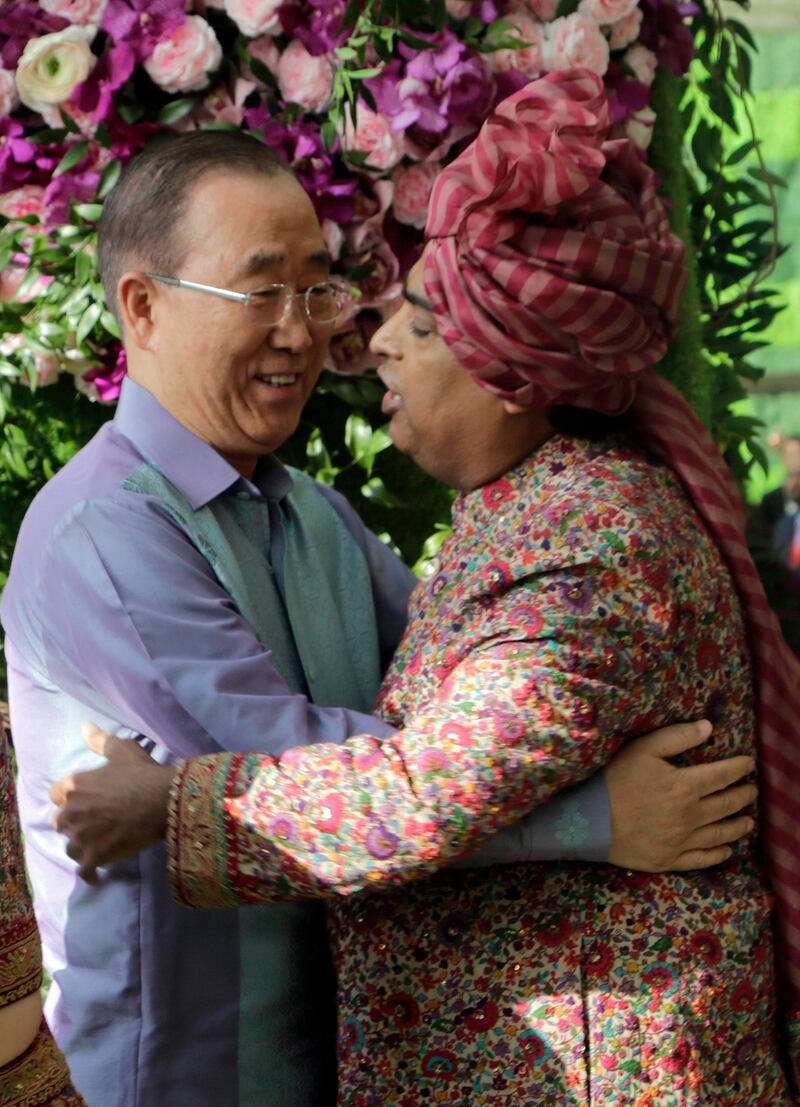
[391,402]
[278,380]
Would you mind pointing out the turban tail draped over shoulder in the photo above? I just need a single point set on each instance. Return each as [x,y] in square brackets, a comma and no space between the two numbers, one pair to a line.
[555,279]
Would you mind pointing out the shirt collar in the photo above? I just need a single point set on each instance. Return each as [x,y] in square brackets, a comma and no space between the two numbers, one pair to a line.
[191,464]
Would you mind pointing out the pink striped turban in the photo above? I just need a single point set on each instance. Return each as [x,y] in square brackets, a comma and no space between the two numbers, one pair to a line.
[554,279]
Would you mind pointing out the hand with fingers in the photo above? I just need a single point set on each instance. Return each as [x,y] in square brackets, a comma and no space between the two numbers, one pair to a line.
[665,818]
[115,811]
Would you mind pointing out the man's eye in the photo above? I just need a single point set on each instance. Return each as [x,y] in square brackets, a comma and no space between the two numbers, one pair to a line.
[268,294]
[418,331]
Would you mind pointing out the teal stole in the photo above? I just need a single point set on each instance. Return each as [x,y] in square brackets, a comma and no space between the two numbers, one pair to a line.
[323,640]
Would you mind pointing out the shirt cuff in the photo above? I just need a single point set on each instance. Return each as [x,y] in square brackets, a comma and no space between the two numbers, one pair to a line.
[573,826]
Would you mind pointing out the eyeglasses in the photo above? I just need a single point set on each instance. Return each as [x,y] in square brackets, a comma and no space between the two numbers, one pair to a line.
[266,307]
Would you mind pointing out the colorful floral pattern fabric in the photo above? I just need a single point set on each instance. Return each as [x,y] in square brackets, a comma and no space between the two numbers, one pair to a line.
[579,602]
[40,1075]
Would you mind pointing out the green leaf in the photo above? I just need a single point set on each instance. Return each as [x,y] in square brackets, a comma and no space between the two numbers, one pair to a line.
[49,134]
[329,135]
[74,155]
[176,110]
[357,434]
[88,322]
[131,113]
[108,178]
[69,122]
[377,492]
[108,321]
[567,7]
[90,212]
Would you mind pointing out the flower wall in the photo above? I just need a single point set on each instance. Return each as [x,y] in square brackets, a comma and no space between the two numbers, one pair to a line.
[365,100]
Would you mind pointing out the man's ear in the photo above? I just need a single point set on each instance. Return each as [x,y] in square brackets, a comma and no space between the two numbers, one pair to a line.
[135,295]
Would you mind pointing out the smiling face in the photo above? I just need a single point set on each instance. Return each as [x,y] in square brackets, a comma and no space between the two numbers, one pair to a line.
[235,384]
[453,428]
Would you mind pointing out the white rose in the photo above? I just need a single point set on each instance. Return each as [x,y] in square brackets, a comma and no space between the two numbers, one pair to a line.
[182,62]
[51,67]
[639,127]
[642,63]
[9,100]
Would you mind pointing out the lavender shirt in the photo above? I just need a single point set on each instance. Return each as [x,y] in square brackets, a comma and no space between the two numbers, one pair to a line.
[112,614]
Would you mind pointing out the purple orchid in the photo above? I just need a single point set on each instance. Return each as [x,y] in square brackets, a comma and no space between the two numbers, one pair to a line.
[21,20]
[79,184]
[107,379]
[95,95]
[625,94]
[300,145]
[435,89]
[142,24]
[317,23]
[664,32]
[17,155]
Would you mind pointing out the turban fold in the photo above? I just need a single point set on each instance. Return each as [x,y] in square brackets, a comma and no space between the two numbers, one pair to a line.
[555,279]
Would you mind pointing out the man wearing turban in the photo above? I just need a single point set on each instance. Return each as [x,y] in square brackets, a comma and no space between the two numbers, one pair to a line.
[596,585]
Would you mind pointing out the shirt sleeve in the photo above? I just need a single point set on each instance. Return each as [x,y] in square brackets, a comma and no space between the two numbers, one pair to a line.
[512,725]
[136,624]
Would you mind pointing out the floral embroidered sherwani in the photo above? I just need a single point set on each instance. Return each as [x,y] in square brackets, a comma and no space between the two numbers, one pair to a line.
[39,1076]
[579,602]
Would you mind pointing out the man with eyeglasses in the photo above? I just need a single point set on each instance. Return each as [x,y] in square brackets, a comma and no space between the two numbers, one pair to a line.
[174,580]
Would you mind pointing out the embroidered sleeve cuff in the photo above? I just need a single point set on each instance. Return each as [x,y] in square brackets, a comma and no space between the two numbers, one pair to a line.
[198,831]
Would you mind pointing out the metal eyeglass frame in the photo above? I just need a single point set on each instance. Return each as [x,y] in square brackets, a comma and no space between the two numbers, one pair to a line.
[247,298]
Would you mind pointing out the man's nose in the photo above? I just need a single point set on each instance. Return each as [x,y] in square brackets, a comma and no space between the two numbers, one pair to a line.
[293,332]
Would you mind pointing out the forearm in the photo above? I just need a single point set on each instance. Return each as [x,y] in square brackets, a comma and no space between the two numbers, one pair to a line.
[327,821]
[575,825]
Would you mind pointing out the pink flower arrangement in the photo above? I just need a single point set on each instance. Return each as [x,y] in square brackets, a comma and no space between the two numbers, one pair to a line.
[74,97]
[303,78]
[184,61]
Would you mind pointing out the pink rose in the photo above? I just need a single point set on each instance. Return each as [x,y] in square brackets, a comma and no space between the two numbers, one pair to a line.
[528,60]
[639,127]
[9,99]
[264,50]
[27,200]
[304,79]
[182,62]
[47,367]
[412,193]
[373,135]
[544,10]
[76,11]
[458,9]
[642,63]
[52,117]
[626,30]
[572,42]
[350,355]
[606,11]
[255,17]
[334,238]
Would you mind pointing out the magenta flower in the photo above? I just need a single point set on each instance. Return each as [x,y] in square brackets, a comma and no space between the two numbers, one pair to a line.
[300,145]
[434,90]
[96,94]
[107,379]
[17,155]
[664,32]
[317,23]
[625,94]
[21,20]
[142,24]
[76,184]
